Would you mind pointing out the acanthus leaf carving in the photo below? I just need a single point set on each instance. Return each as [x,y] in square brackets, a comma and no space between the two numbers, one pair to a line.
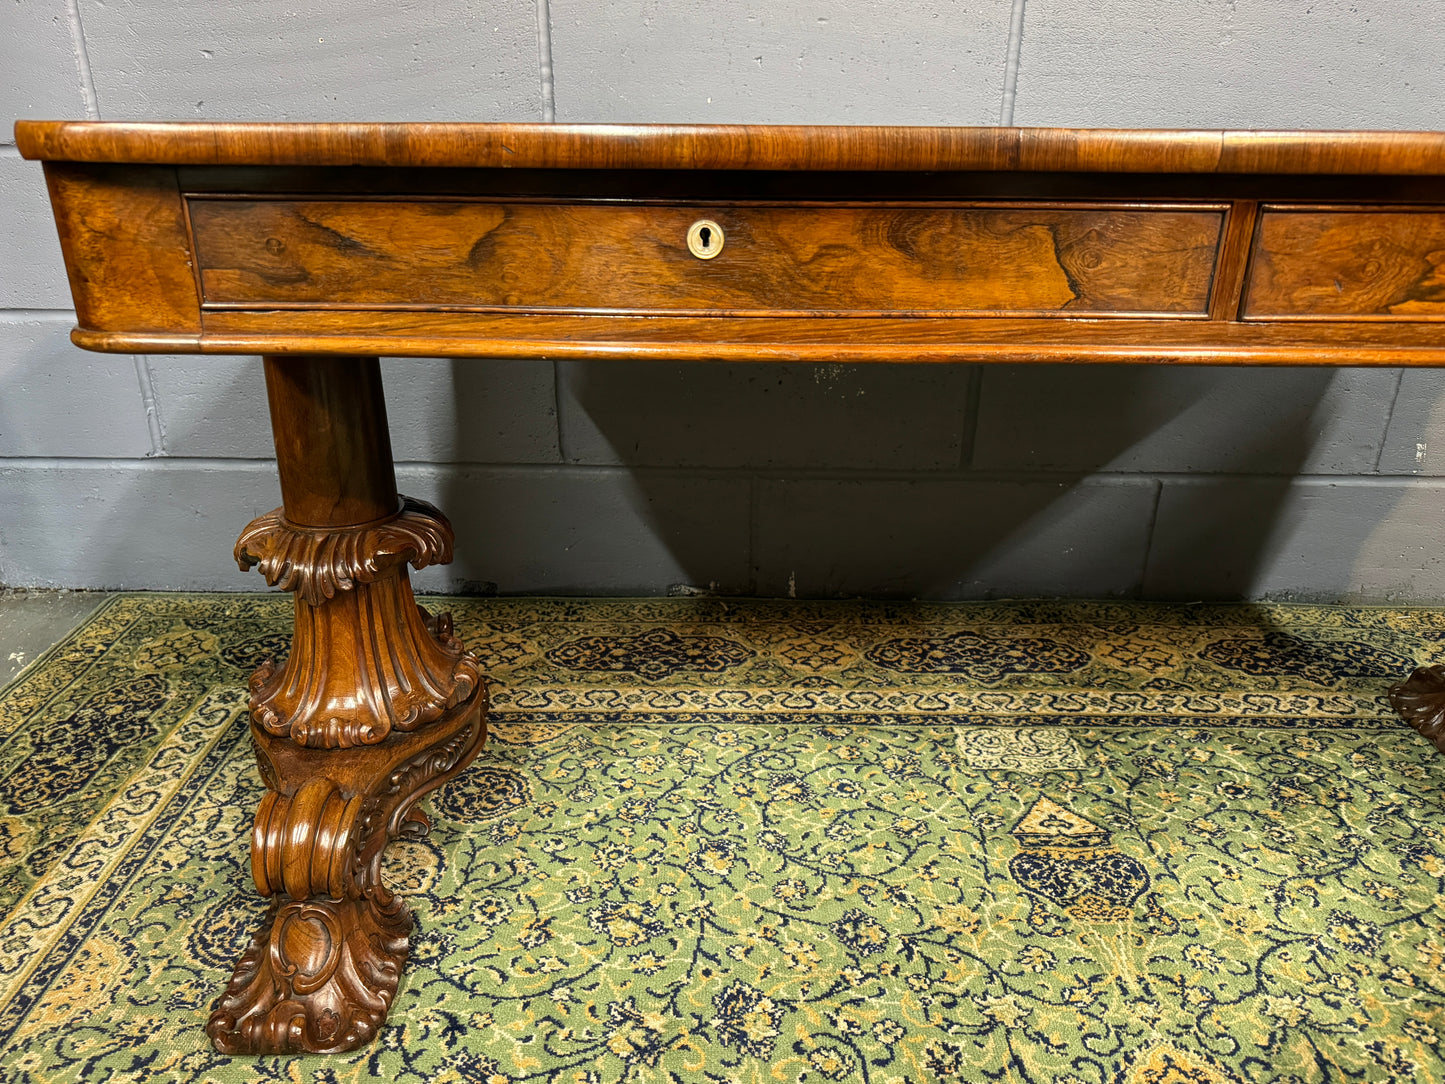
[365,660]
[319,562]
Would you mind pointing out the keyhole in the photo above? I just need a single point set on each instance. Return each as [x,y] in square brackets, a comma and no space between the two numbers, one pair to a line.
[705,239]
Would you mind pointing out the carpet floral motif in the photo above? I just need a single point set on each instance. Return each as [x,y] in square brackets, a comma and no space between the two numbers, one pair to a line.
[654,654]
[978,656]
[763,859]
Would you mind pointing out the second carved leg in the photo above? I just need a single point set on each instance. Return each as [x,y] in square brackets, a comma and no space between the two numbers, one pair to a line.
[1420,701]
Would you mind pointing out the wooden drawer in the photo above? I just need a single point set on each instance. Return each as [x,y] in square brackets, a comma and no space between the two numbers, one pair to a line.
[1358,263]
[593,257]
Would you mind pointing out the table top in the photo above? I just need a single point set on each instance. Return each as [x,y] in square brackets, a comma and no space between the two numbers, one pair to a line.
[734,147]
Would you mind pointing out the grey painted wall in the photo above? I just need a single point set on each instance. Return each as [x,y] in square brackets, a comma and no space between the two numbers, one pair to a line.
[934,481]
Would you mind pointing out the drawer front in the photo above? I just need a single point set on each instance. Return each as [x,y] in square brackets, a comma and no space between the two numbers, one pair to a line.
[1369,263]
[528,256]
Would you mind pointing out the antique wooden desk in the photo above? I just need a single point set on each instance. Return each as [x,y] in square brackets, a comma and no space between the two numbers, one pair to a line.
[322,246]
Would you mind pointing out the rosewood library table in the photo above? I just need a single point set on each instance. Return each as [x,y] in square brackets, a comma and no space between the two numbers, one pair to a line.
[322,246]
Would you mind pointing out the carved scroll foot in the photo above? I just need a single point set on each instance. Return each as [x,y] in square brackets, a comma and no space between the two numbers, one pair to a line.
[319,976]
[1420,701]
[321,973]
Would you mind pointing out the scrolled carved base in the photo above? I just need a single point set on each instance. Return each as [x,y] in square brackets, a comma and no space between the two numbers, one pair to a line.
[321,973]
[1420,701]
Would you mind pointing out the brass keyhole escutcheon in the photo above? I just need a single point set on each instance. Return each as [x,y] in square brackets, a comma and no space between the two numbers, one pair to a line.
[704,239]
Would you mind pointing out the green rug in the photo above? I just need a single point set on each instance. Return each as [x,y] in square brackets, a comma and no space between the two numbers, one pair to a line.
[723,841]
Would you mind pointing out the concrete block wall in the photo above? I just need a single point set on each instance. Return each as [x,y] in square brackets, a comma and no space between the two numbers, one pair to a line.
[609,477]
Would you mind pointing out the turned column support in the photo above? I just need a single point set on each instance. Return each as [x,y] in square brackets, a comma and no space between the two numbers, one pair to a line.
[333,447]
[376,704]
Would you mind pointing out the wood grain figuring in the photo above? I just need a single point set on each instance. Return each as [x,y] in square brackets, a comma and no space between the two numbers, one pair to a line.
[1365,263]
[735,147]
[333,458]
[824,259]
[123,233]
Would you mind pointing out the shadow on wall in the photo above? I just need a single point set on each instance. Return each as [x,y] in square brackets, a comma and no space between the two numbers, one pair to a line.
[875,481]
[1401,553]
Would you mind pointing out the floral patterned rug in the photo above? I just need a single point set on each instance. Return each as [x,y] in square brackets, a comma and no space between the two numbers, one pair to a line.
[723,841]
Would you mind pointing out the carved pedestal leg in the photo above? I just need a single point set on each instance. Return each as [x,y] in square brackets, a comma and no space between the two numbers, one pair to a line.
[1420,701]
[377,704]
